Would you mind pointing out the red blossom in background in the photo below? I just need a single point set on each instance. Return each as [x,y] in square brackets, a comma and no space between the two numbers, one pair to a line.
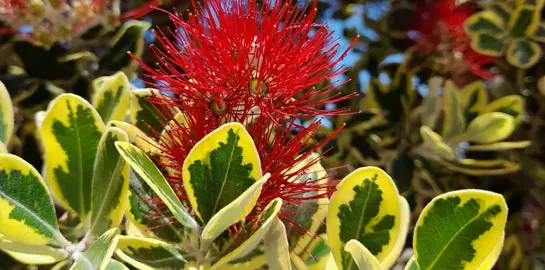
[443,22]
[231,51]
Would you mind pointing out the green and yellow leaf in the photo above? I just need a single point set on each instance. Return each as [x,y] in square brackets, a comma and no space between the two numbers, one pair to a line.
[110,184]
[231,213]
[513,105]
[503,10]
[6,115]
[148,253]
[465,225]
[539,34]
[488,44]
[111,98]
[97,255]
[404,223]
[434,140]
[276,246]
[115,265]
[454,123]
[31,254]
[146,169]
[431,104]
[71,132]
[147,117]
[484,21]
[490,261]
[411,264]
[136,136]
[219,169]
[316,254]
[473,98]
[499,146]
[483,167]
[142,214]
[364,259]
[523,53]
[365,208]
[3,149]
[28,214]
[256,231]
[490,128]
[524,21]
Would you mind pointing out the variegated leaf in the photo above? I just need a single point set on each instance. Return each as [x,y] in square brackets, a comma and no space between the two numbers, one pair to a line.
[6,115]
[435,141]
[115,265]
[473,98]
[71,132]
[411,264]
[523,53]
[110,184]
[454,123]
[231,213]
[3,149]
[31,254]
[513,105]
[143,166]
[363,258]
[524,21]
[539,34]
[255,232]
[27,213]
[219,169]
[148,253]
[488,44]
[465,225]
[485,21]
[404,223]
[149,118]
[371,196]
[277,247]
[490,128]
[136,136]
[111,98]
[97,255]
[483,167]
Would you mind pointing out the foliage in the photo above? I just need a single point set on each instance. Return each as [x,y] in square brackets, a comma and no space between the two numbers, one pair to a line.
[248,152]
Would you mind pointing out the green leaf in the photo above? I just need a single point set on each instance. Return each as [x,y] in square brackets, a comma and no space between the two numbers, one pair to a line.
[71,132]
[473,98]
[465,226]
[404,223]
[231,213]
[28,215]
[512,105]
[411,265]
[523,53]
[490,127]
[110,184]
[98,255]
[431,104]
[111,98]
[129,38]
[115,265]
[148,253]
[136,136]
[142,164]
[487,44]
[454,123]
[255,232]
[146,116]
[6,115]
[365,207]
[3,149]
[277,247]
[316,253]
[143,214]
[524,21]
[499,146]
[539,35]
[31,254]
[436,143]
[484,21]
[363,258]
[502,10]
[219,169]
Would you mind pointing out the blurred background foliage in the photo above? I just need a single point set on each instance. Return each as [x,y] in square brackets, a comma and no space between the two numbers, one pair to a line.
[451,95]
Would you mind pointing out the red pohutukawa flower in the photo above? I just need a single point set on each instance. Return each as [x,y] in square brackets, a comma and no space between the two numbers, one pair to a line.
[442,22]
[257,65]
[272,56]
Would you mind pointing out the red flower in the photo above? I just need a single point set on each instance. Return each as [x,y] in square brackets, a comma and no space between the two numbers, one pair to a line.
[269,56]
[443,22]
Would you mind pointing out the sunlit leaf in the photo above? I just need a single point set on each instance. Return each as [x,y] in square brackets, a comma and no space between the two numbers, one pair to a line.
[490,128]
[111,98]
[277,247]
[147,253]
[97,255]
[363,258]
[71,132]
